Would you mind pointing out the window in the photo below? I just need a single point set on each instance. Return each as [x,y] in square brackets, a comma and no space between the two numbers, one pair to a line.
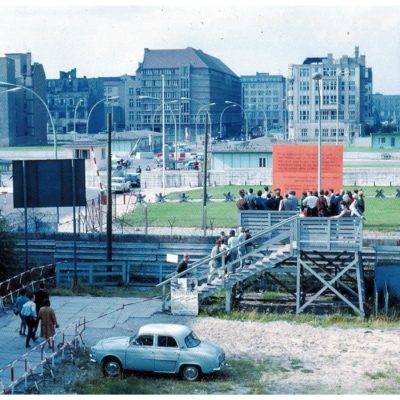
[333,99]
[304,85]
[131,91]
[192,340]
[341,132]
[82,154]
[261,162]
[342,100]
[304,72]
[352,115]
[342,85]
[325,99]
[316,132]
[304,115]
[352,72]
[352,100]
[131,103]
[326,85]
[381,140]
[145,340]
[131,116]
[304,100]
[317,115]
[334,115]
[325,115]
[352,85]
[146,119]
[304,132]
[333,132]
[325,132]
[332,85]
[166,341]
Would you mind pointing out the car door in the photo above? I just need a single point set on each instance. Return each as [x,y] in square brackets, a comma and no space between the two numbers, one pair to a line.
[140,354]
[167,354]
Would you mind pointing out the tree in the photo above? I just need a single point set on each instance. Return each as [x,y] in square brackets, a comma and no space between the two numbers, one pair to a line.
[8,251]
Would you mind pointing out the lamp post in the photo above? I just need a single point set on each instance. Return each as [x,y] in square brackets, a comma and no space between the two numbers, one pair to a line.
[76,109]
[202,105]
[112,98]
[245,116]
[14,85]
[317,77]
[220,118]
[284,119]
[167,103]
[207,116]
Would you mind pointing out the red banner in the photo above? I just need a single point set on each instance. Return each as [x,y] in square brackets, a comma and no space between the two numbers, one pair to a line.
[295,167]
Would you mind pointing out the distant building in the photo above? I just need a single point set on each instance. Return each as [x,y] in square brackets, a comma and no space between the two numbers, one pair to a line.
[70,99]
[263,97]
[193,80]
[124,109]
[346,92]
[23,117]
[387,108]
[382,140]
[256,153]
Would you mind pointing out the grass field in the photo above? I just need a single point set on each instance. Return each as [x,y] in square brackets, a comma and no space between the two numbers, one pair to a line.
[28,148]
[381,214]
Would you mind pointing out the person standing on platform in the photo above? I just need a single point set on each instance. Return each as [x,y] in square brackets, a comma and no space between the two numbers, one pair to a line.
[29,313]
[48,320]
[183,265]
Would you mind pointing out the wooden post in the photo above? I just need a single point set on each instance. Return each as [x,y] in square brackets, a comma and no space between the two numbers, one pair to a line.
[376,300]
[298,285]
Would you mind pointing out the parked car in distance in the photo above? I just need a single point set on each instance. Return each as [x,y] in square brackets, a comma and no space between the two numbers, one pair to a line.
[165,348]
[118,184]
[133,180]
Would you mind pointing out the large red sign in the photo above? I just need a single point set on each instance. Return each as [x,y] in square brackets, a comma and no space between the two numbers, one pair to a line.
[295,167]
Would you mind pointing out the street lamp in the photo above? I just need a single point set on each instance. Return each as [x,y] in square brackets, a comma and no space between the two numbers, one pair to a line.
[284,119]
[245,116]
[112,98]
[14,85]
[76,109]
[202,105]
[220,118]
[207,116]
[317,77]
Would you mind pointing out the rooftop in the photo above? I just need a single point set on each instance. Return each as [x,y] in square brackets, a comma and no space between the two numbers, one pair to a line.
[258,145]
[175,58]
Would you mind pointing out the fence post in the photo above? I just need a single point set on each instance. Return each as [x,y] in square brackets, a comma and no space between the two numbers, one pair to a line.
[376,300]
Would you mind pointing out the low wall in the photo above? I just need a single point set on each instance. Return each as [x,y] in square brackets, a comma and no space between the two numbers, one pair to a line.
[366,176]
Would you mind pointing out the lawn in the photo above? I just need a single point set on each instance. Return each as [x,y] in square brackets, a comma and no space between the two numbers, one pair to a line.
[381,214]
[28,148]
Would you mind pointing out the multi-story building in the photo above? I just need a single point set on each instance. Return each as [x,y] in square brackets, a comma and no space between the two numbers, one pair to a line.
[387,108]
[123,108]
[346,98]
[195,83]
[70,100]
[23,117]
[263,98]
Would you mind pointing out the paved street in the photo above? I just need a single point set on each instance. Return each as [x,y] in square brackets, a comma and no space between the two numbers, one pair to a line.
[68,309]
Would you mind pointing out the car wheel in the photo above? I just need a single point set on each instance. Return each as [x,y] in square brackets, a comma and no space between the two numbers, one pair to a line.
[190,373]
[112,367]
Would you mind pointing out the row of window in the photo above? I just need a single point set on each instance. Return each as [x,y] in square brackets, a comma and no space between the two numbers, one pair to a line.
[328,71]
[326,85]
[304,115]
[261,92]
[326,100]
[325,132]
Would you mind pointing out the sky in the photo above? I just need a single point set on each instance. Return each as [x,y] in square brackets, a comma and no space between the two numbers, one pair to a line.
[101,39]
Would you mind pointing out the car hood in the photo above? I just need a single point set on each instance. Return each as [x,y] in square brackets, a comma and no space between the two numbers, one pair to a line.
[113,342]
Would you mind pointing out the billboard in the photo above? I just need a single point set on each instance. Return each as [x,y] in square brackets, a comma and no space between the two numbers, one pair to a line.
[295,167]
[49,183]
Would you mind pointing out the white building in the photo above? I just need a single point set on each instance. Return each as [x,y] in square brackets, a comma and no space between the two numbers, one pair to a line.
[346,94]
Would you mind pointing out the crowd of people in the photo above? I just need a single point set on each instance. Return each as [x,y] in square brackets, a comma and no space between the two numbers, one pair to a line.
[33,308]
[326,203]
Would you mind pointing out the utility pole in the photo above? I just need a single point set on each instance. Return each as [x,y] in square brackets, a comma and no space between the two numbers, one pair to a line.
[109,193]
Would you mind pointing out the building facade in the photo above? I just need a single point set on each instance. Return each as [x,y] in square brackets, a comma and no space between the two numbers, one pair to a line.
[346,98]
[386,108]
[195,83]
[263,99]
[23,117]
[124,109]
[70,100]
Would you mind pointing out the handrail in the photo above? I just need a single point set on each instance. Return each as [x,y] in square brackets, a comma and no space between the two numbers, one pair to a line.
[209,258]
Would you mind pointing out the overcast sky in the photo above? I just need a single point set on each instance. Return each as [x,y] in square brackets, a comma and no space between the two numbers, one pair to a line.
[109,40]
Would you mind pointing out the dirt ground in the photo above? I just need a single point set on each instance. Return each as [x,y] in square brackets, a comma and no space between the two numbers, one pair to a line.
[337,360]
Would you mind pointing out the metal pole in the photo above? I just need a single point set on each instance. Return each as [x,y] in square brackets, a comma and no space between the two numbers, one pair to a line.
[319,137]
[205,181]
[337,115]
[76,109]
[25,214]
[75,283]
[163,131]
[109,194]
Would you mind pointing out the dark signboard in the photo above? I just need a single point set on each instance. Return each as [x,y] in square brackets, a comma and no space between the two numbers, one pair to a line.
[49,183]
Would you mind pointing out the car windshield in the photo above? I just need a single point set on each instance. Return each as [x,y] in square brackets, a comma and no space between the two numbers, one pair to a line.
[192,340]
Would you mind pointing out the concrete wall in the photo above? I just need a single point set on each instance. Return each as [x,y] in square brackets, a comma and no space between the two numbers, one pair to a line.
[256,176]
